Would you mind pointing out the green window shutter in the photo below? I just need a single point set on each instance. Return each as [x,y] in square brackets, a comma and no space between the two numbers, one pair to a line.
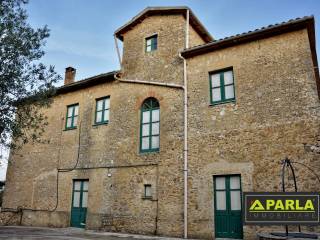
[102,110]
[72,116]
[150,126]
[221,86]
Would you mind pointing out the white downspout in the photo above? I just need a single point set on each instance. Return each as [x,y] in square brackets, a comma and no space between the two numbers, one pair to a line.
[185,167]
[118,51]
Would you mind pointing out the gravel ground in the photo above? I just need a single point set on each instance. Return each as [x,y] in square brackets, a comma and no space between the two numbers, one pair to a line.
[26,233]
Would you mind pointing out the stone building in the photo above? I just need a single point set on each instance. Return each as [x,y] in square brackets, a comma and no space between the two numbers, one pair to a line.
[167,144]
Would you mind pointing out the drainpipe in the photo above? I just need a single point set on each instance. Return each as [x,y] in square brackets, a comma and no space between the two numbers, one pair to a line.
[118,51]
[185,155]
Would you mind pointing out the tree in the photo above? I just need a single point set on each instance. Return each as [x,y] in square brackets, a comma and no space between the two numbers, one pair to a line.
[26,84]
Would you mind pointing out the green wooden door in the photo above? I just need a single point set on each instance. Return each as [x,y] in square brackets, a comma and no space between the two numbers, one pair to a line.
[227,205]
[79,203]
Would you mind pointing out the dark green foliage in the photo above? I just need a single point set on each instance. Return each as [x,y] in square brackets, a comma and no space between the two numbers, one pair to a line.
[25,83]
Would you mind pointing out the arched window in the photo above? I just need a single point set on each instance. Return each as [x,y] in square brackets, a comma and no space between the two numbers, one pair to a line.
[150,125]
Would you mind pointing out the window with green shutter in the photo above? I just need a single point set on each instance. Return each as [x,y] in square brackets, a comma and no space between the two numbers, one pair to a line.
[151,43]
[150,126]
[222,86]
[102,110]
[72,116]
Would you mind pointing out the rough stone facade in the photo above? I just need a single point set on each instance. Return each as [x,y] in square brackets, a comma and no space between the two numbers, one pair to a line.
[115,202]
[276,114]
[163,65]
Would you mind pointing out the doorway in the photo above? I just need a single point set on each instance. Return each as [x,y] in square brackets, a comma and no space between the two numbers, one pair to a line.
[227,206]
[79,203]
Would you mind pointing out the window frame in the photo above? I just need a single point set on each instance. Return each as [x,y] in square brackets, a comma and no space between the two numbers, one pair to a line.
[145,191]
[228,199]
[227,189]
[222,86]
[150,110]
[81,191]
[72,117]
[154,43]
[103,121]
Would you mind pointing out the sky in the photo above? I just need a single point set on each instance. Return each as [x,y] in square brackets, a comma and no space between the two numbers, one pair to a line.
[82,31]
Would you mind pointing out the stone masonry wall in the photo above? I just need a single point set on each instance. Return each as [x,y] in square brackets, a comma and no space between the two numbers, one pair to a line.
[275,115]
[115,203]
[164,64]
[194,38]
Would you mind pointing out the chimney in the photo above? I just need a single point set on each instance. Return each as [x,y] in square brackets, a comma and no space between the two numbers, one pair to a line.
[69,75]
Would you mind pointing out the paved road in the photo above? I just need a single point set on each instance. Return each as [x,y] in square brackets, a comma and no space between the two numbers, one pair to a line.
[27,233]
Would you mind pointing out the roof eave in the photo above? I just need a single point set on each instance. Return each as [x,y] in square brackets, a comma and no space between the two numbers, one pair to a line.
[248,37]
[88,82]
[304,23]
[194,21]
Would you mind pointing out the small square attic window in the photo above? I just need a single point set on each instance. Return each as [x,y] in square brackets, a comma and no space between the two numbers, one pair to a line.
[151,43]
[147,191]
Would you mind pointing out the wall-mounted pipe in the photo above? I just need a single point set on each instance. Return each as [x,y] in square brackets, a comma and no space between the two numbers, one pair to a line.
[172,85]
[185,164]
[118,51]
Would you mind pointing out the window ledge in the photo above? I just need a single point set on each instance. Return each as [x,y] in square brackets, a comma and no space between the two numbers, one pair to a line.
[221,103]
[70,128]
[149,151]
[147,198]
[101,123]
[152,51]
